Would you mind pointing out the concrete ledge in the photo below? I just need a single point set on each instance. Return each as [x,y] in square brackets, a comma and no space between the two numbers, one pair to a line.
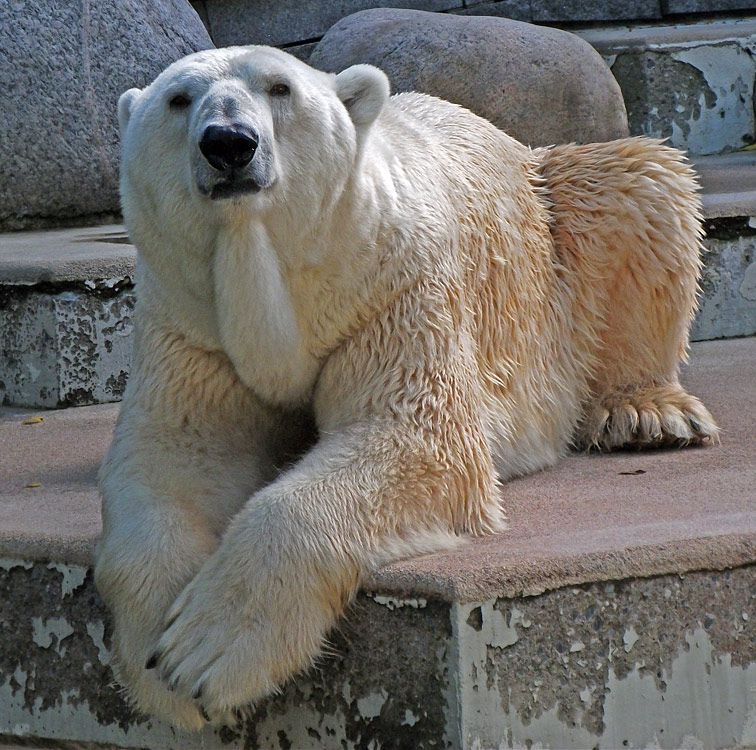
[612,40]
[590,517]
[67,298]
[617,611]
[728,183]
[86,254]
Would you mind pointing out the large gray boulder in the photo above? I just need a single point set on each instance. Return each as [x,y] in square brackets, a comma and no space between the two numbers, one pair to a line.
[541,85]
[62,67]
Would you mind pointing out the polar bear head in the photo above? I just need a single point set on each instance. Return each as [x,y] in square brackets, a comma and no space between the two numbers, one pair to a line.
[242,124]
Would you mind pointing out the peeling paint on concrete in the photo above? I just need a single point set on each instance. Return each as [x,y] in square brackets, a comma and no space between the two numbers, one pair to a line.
[393,603]
[67,347]
[747,287]
[666,663]
[57,683]
[727,304]
[73,577]
[45,633]
[702,700]
[96,631]
[629,639]
[7,564]
[410,719]
[727,124]
[370,706]
[698,93]
[552,670]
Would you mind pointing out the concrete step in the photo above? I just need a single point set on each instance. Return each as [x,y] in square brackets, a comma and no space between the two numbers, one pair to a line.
[728,183]
[728,286]
[66,299]
[619,610]
[690,82]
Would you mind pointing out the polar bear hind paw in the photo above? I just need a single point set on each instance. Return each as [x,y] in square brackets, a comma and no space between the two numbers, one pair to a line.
[663,416]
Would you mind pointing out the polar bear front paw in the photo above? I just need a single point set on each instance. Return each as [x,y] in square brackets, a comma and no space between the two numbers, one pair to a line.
[228,643]
[654,417]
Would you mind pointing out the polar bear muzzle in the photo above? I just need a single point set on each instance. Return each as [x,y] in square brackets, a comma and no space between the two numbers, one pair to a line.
[229,149]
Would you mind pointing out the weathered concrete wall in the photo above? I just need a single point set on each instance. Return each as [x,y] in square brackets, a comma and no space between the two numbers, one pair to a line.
[66,301]
[56,682]
[661,662]
[728,282]
[666,662]
[65,345]
[691,84]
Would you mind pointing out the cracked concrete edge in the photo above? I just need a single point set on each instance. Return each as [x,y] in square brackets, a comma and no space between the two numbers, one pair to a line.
[661,662]
[433,582]
[613,39]
[479,582]
[729,205]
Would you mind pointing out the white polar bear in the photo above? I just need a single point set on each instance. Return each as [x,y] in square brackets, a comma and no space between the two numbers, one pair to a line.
[447,306]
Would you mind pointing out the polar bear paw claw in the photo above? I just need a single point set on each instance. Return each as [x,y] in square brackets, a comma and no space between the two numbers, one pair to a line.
[657,417]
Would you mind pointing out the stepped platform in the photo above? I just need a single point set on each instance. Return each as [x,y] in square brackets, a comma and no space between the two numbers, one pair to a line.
[619,610]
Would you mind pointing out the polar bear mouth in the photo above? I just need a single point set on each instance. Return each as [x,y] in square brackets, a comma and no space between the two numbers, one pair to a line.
[232,188]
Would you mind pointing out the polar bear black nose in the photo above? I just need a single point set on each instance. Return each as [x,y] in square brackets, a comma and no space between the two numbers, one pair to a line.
[228,147]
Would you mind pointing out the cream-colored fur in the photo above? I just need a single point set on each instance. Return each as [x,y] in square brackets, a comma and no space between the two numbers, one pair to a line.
[450,308]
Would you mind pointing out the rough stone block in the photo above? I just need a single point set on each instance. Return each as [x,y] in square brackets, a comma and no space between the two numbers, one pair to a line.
[518,10]
[692,84]
[62,68]
[285,22]
[545,11]
[541,85]
[704,6]
[302,51]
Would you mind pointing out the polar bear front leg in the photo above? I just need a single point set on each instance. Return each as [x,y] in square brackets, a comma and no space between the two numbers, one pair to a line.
[188,450]
[262,604]
[400,469]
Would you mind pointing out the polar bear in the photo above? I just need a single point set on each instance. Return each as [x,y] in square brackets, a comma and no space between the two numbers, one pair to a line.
[357,314]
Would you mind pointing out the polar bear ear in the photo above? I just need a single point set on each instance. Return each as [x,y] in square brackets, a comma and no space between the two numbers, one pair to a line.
[363,90]
[124,106]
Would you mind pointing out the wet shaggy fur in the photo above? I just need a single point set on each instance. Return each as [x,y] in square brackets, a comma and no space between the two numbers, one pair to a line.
[449,307]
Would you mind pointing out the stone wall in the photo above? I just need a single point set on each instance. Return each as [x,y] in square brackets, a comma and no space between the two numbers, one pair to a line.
[290,23]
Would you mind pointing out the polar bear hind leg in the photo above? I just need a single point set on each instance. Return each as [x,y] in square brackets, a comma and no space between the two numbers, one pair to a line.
[627,233]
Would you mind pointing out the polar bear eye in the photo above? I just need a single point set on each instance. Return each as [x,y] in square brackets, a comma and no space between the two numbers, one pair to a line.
[279,89]
[180,101]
